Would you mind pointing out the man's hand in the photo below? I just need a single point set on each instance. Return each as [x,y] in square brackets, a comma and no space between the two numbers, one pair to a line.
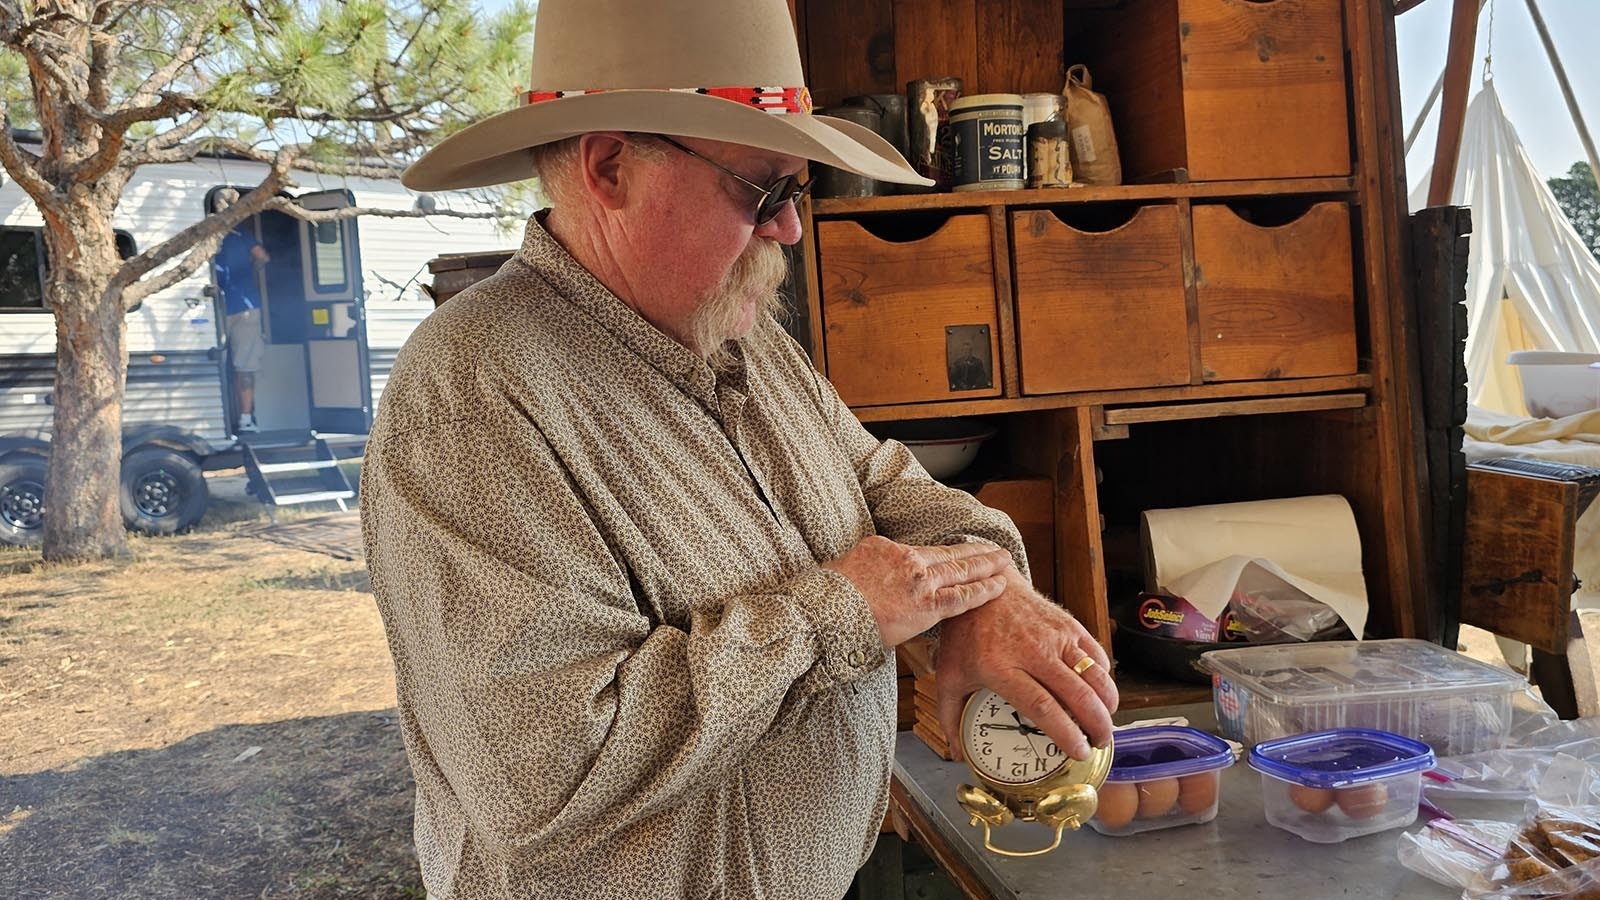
[1023,647]
[910,589]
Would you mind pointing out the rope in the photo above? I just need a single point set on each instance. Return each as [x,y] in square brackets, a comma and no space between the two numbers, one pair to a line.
[1488,48]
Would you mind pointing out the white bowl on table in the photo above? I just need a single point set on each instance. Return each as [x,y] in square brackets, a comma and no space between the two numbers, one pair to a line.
[945,447]
[1556,384]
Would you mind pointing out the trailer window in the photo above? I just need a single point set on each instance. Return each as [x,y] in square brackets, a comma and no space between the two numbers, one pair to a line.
[327,257]
[21,270]
[24,265]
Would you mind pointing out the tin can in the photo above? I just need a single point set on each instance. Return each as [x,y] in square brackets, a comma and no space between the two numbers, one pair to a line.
[892,107]
[988,140]
[833,182]
[1049,155]
[928,136]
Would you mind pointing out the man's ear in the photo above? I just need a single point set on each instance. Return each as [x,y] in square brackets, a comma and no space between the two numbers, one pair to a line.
[600,160]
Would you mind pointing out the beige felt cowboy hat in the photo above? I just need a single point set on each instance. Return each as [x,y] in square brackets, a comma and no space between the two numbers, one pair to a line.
[726,70]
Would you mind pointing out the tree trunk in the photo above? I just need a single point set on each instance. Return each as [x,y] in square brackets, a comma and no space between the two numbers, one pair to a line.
[83,518]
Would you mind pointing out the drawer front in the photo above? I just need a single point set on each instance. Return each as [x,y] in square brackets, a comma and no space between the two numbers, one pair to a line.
[910,321]
[1275,302]
[1100,310]
[1264,89]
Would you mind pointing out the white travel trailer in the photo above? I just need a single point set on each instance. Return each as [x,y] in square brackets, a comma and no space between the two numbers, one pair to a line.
[338,301]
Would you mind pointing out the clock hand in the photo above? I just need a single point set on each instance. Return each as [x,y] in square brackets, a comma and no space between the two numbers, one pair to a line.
[1024,727]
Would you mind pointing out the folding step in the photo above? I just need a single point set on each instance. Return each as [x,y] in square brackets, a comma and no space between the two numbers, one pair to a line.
[286,474]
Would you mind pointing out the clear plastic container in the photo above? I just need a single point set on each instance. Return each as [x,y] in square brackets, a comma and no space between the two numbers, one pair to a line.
[1330,786]
[1161,776]
[1413,688]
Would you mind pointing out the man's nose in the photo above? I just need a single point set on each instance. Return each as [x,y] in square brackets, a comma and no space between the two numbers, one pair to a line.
[783,228]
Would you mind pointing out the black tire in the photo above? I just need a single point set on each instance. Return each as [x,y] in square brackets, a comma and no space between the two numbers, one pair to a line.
[22,501]
[163,491]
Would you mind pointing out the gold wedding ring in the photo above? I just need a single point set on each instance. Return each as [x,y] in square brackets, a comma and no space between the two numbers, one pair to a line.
[1083,665]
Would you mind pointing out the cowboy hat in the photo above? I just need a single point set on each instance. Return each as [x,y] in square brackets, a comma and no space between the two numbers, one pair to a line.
[724,70]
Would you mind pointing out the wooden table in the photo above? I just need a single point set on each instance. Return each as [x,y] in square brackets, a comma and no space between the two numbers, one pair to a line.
[1236,855]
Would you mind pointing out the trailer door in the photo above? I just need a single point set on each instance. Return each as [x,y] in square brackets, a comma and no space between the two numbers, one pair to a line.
[336,329]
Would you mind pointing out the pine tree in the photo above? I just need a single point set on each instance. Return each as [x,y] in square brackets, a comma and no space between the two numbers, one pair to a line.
[328,86]
[1580,200]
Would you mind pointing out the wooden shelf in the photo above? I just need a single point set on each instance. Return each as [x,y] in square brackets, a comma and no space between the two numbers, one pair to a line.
[851,206]
[1139,689]
[1301,390]
[1134,415]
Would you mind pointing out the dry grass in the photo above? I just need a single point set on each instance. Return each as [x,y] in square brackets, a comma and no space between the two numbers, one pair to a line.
[133,696]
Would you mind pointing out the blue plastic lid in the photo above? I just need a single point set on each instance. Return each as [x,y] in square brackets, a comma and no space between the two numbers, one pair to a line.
[1166,751]
[1340,757]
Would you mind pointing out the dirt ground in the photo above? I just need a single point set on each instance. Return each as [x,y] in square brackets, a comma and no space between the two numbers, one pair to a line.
[213,717]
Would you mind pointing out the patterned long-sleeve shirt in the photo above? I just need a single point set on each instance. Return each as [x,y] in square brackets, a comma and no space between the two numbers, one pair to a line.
[622,670]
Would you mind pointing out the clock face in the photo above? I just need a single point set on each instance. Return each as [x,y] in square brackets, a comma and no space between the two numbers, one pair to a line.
[1003,745]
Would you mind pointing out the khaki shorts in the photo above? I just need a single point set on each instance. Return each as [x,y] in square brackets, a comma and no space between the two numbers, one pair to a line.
[245,344]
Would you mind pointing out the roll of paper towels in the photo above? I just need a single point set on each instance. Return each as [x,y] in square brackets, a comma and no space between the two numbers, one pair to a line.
[1309,543]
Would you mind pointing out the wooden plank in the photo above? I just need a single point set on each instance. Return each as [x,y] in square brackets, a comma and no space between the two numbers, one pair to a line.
[1458,61]
[1134,58]
[1275,302]
[850,46]
[1387,471]
[1517,579]
[1006,362]
[1115,297]
[936,38]
[813,288]
[888,306]
[1567,680]
[1140,690]
[1038,197]
[1134,415]
[1263,90]
[1191,295]
[1094,398]
[1022,41]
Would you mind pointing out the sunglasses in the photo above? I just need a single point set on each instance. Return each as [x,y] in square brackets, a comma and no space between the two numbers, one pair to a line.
[774,198]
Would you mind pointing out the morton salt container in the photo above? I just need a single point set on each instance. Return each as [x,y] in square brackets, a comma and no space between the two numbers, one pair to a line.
[989,145]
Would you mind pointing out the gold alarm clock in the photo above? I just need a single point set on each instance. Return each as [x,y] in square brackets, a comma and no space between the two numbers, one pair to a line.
[1023,775]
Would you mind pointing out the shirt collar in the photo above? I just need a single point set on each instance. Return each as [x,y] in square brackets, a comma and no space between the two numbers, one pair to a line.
[541,252]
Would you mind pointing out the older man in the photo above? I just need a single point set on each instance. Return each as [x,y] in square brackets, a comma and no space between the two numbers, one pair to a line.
[641,570]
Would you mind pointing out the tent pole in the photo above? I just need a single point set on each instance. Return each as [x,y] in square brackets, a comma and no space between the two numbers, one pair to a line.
[1457,72]
[1427,107]
[1566,87]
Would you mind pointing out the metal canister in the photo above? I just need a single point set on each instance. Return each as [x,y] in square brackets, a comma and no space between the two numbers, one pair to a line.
[928,136]
[892,107]
[988,140]
[833,182]
[1049,155]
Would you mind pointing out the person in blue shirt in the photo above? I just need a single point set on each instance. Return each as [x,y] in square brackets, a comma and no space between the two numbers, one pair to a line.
[238,264]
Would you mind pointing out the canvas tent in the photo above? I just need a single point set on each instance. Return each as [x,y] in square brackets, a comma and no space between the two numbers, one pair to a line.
[1531,282]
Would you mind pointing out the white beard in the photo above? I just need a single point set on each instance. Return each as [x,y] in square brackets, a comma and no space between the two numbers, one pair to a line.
[731,310]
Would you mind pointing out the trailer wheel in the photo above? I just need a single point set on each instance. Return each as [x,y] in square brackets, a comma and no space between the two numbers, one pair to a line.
[163,491]
[22,501]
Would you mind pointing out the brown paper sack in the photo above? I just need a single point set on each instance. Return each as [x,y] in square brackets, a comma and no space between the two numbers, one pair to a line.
[1094,143]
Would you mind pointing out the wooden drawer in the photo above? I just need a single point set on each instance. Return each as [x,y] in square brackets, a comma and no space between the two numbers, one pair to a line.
[1100,308]
[909,312]
[1227,89]
[1275,301]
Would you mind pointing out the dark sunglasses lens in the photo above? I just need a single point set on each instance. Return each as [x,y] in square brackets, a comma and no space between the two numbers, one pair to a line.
[776,197]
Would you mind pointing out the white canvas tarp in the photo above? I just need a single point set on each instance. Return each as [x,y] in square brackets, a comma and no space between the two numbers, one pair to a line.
[1524,251]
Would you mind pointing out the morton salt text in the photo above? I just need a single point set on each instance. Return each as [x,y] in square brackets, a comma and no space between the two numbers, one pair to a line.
[1008,156]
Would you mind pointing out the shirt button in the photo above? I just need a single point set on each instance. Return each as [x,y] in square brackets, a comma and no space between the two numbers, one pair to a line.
[855,658]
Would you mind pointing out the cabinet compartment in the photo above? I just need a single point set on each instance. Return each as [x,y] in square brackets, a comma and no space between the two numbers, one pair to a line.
[909,309]
[1275,300]
[1227,89]
[1100,309]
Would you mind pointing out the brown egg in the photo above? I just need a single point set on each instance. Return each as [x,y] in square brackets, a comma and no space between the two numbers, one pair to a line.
[1118,802]
[1196,793]
[1364,801]
[1157,797]
[1311,799]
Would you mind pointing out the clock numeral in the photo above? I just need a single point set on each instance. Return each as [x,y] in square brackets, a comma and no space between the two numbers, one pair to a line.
[1051,749]
[988,748]
[1038,764]
[1019,769]
[983,731]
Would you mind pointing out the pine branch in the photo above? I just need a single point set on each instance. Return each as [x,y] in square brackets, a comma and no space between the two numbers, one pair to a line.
[23,165]
[183,56]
